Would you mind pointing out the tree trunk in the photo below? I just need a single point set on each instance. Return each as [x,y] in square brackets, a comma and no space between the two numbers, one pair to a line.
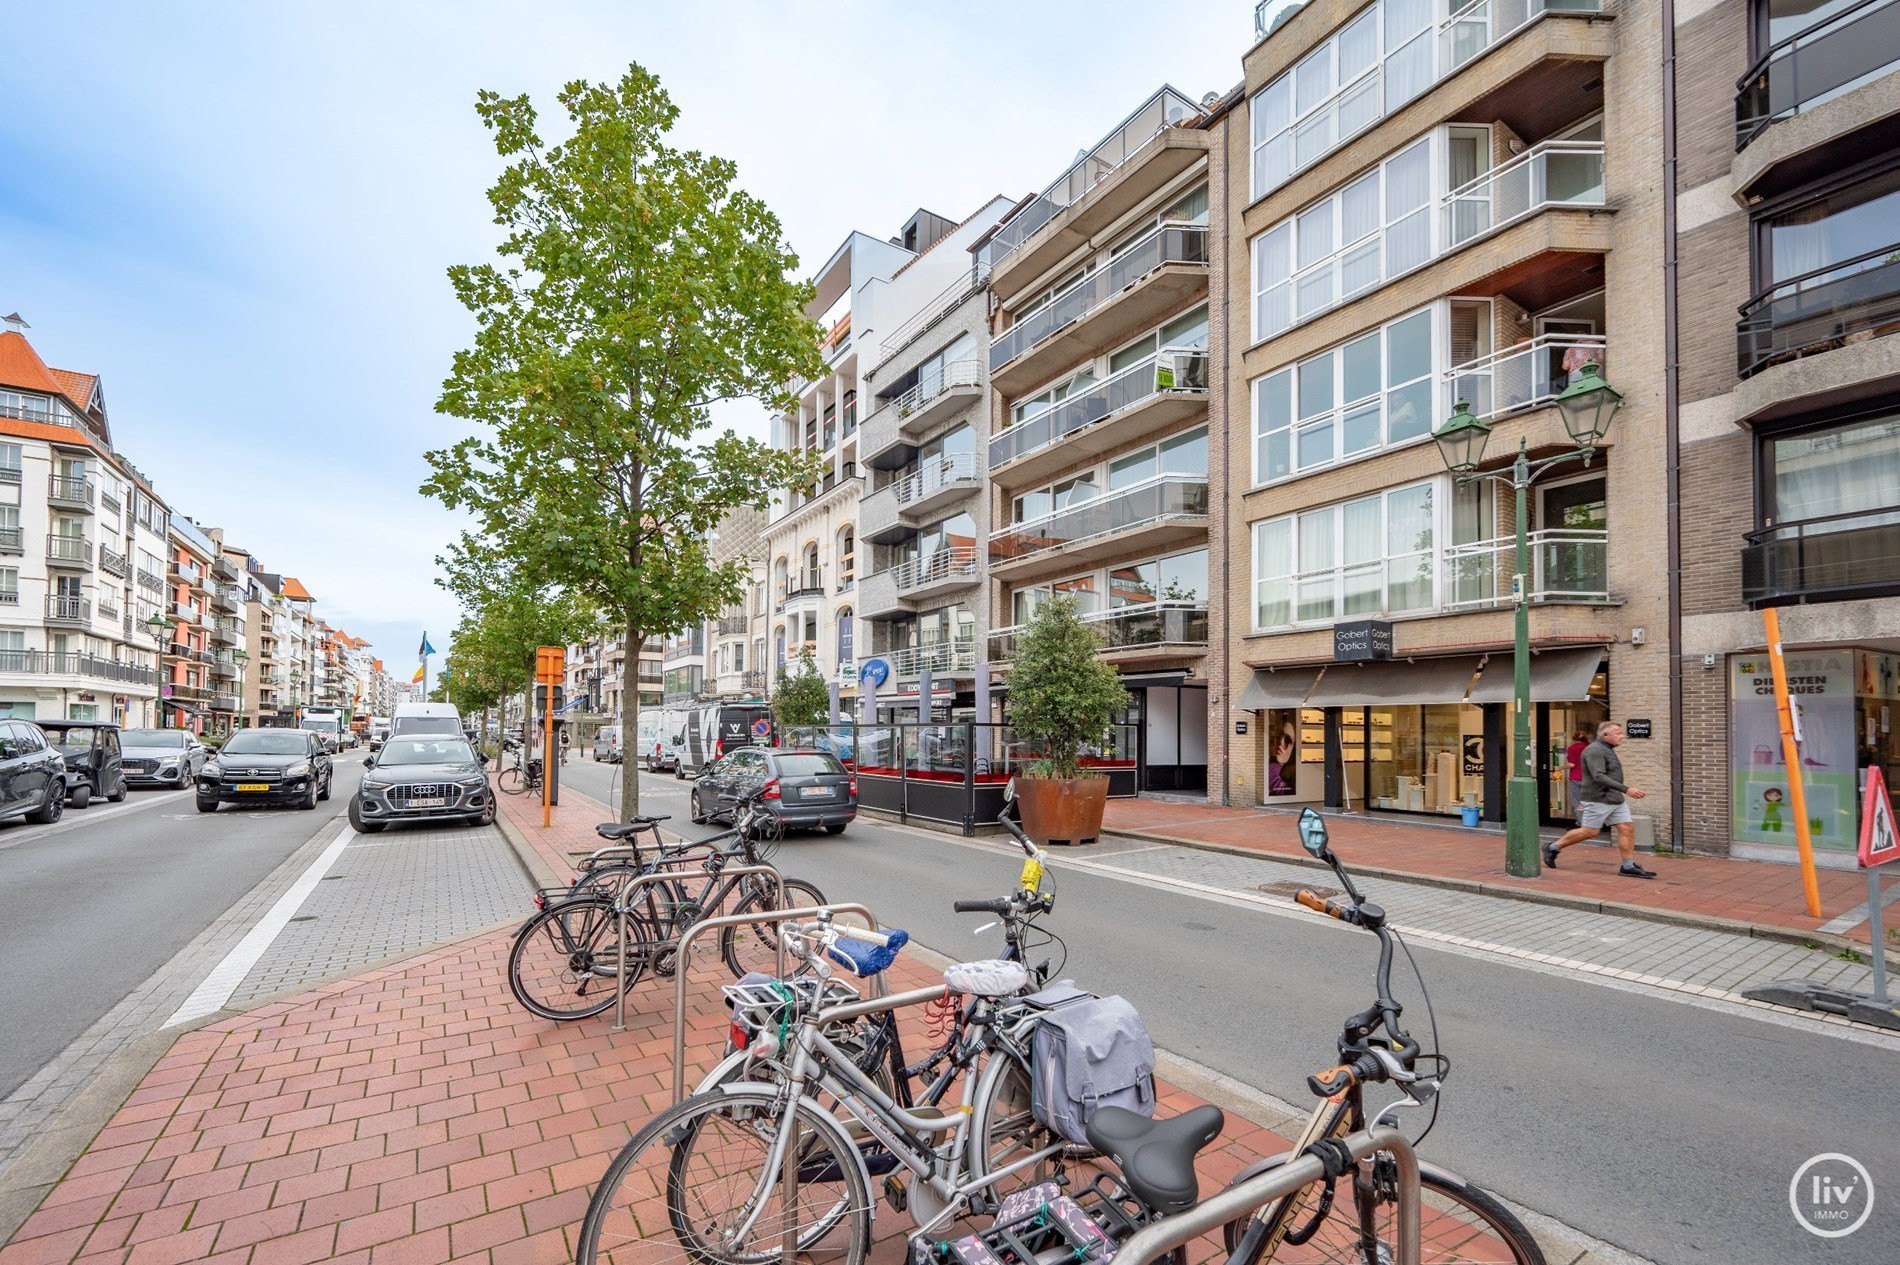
[630,724]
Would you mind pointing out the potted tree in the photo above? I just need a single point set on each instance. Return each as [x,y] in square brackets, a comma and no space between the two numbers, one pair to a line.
[801,699]
[1062,701]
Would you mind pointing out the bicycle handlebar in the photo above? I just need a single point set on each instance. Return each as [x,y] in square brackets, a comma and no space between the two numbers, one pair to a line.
[980,906]
[1331,908]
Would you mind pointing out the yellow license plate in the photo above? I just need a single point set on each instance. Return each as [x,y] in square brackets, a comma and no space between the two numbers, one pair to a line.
[253,786]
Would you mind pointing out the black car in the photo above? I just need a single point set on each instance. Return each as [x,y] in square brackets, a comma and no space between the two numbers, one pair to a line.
[800,788]
[32,774]
[267,766]
[422,779]
[94,763]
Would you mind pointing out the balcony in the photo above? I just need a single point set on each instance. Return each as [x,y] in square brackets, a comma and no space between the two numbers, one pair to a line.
[12,540]
[224,569]
[936,483]
[189,572]
[1551,176]
[114,563]
[74,663]
[68,611]
[733,625]
[752,680]
[190,612]
[1167,511]
[108,608]
[72,553]
[956,656]
[70,493]
[1127,167]
[224,598]
[936,395]
[224,702]
[1830,559]
[1567,566]
[229,632]
[1818,310]
[1173,626]
[224,668]
[1104,309]
[1144,398]
[941,571]
[1854,46]
[1521,377]
[150,583]
[803,585]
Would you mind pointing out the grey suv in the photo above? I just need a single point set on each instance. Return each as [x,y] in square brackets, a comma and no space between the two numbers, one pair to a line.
[423,778]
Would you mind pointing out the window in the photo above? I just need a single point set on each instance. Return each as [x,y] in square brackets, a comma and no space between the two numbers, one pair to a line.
[1830,237]
[847,553]
[1180,577]
[1850,469]
[1368,232]
[1370,393]
[1371,67]
[9,459]
[1182,454]
[10,585]
[844,635]
[1365,557]
[955,532]
[1184,332]
[1023,410]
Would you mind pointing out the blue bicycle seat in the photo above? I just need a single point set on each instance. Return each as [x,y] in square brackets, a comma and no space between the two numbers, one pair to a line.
[866,959]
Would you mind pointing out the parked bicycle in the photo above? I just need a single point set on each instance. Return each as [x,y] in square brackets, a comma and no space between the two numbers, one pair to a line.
[566,959]
[520,777]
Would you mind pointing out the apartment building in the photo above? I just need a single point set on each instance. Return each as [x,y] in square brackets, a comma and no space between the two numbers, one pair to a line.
[189,688]
[1787,191]
[230,602]
[734,663]
[82,545]
[924,514]
[1430,209]
[1098,461]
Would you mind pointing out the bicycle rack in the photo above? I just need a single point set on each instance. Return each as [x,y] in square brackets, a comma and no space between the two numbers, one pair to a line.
[1257,1192]
[622,901]
[737,920]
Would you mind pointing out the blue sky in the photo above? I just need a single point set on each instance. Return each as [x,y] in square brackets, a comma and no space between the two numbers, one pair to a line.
[240,214]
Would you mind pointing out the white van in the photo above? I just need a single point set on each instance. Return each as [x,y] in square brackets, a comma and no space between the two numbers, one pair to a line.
[607,744]
[648,736]
[435,719]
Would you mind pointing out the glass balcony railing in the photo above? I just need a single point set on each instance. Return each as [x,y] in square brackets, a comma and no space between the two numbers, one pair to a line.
[954,470]
[1833,558]
[1173,370]
[1168,244]
[1524,376]
[1566,566]
[955,655]
[1854,46]
[1128,628]
[953,376]
[1814,311]
[1553,174]
[1477,26]
[954,563]
[1174,496]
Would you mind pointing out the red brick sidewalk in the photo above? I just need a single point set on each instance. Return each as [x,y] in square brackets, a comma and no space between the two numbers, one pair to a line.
[1706,887]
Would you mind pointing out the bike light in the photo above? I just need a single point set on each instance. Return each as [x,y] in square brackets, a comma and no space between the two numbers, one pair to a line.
[770,790]
[737,1036]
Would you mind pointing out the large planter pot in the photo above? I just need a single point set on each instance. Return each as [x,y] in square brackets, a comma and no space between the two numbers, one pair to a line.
[1062,810]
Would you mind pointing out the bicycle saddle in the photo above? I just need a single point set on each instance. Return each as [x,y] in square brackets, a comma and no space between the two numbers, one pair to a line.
[1156,1157]
[626,829]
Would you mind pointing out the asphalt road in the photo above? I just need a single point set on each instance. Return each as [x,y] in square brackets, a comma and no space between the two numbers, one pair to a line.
[94,905]
[1666,1129]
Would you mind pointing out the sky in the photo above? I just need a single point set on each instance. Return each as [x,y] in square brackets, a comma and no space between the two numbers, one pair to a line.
[241,215]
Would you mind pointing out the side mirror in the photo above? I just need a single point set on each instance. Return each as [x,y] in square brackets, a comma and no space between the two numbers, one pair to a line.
[1313,835]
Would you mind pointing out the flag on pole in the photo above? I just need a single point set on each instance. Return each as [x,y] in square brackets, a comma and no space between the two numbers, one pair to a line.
[421,672]
[427,649]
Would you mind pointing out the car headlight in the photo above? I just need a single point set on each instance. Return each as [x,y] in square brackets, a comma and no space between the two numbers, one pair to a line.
[210,770]
[371,784]
[476,781]
[298,770]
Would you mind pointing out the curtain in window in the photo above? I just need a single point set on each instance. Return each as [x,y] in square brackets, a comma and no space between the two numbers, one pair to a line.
[1843,470]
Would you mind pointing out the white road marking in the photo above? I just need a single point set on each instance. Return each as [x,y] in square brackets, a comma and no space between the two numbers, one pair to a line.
[79,818]
[1858,914]
[209,997]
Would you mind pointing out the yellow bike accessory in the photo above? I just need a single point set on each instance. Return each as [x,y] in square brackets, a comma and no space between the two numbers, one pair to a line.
[1032,875]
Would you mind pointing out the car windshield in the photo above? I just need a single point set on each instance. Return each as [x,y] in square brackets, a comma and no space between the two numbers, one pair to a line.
[425,751]
[266,742]
[808,764]
[409,726]
[71,741]
[152,738]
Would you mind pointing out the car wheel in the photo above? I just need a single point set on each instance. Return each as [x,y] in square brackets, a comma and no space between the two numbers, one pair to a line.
[117,796]
[309,802]
[835,830]
[82,794]
[55,806]
[699,815]
[359,825]
[207,805]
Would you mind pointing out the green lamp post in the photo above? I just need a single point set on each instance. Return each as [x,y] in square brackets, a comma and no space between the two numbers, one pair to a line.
[1587,407]
[240,656]
[157,625]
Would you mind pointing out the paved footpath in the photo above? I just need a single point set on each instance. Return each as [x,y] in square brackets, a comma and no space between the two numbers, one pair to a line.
[411,1113]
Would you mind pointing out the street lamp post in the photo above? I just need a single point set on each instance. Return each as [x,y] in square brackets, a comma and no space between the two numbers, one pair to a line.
[157,625]
[240,657]
[1587,406]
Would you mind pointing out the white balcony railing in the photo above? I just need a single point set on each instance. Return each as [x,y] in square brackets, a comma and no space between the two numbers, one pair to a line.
[1567,565]
[1553,174]
[1174,369]
[1524,376]
[936,474]
[955,562]
[958,374]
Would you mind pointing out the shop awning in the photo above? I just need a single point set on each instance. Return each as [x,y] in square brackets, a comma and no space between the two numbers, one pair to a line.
[1286,688]
[1557,676]
[1395,684]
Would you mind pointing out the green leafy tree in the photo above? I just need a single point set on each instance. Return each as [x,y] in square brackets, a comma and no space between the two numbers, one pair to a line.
[1062,698]
[802,697]
[638,285]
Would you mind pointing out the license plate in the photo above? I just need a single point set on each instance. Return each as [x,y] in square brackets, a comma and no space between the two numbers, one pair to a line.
[253,786]
[429,801]
[815,792]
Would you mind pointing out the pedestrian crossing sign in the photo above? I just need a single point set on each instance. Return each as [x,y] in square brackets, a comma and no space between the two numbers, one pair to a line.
[1879,842]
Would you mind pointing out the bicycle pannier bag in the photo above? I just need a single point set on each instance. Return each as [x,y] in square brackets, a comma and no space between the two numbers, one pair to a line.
[1089,1054]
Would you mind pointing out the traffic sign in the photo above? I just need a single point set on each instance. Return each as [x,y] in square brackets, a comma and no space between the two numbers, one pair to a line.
[550,665]
[1879,841]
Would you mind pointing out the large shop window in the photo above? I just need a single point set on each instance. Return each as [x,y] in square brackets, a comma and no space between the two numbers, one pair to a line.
[1364,557]
[1370,393]
[1368,232]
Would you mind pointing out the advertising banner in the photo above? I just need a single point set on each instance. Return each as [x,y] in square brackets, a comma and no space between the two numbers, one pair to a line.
[1821,687]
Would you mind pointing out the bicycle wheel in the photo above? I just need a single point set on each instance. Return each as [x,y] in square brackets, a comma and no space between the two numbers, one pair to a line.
[698,1171]
[1459,1224]
[754,946]
[1004,1130]
[565,959]
[511,782]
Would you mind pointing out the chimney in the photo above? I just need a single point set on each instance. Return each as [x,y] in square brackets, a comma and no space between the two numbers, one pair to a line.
[17,323]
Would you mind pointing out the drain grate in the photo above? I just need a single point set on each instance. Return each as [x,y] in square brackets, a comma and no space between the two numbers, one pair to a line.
[1290,888]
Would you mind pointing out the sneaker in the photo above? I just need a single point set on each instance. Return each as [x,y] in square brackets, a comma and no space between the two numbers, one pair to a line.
[1550,856]
[1630,869]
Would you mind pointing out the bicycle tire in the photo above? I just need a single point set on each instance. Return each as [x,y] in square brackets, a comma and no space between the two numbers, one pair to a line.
[1459,1224]
[1004,1128]
[511,782]
[722,1130]
[754,946]
[551,964]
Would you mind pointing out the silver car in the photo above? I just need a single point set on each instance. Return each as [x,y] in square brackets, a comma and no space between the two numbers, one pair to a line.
[162,757]
[429,777]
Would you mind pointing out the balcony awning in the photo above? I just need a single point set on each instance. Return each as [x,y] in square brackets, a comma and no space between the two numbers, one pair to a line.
[1395,684]
[1286,688]
[1557,676]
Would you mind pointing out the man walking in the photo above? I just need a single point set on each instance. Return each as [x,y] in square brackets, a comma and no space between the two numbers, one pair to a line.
[1602,801]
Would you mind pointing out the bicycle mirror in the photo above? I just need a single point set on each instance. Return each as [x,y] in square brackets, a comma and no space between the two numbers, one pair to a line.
[1313,835]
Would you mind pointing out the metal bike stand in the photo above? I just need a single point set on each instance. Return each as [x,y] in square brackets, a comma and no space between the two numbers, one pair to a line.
[1257,1192]
[738,920]
[621,903]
